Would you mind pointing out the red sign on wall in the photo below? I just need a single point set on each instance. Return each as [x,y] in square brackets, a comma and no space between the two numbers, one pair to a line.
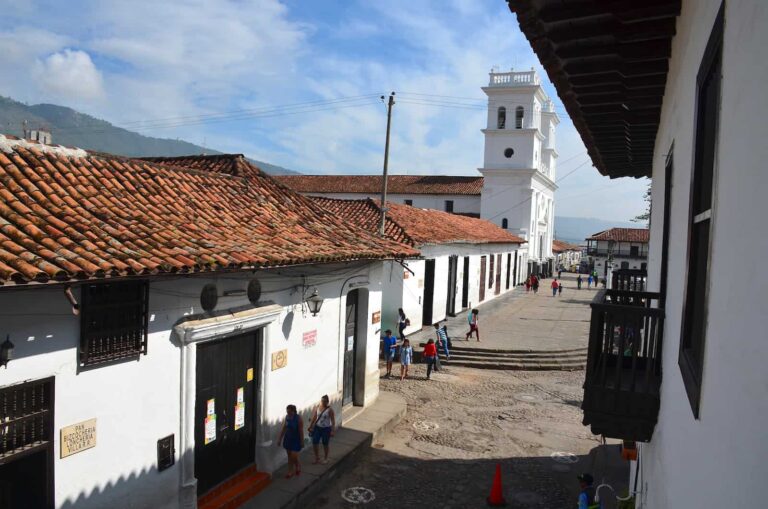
[310,338]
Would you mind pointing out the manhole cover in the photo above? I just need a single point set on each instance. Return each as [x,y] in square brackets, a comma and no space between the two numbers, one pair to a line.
[358,495]
[564,457]
[425,426]
[528,398]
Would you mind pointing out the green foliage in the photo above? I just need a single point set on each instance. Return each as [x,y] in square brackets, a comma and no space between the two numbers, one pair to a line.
[626,504]
[645,216]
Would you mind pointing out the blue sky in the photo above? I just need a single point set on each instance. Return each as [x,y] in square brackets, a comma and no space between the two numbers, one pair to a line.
[206,70]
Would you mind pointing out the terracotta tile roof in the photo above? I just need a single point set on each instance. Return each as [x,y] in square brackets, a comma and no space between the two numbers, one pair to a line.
[365,214]
[420,226]
[66,214]
[371,184]
[227,164]
[623,235]
[559,246]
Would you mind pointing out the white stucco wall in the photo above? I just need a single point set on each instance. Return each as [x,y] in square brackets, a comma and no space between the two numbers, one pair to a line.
[138,402]
[462,203]
[717,460]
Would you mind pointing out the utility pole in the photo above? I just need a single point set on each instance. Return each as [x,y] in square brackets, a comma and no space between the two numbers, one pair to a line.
[386,162]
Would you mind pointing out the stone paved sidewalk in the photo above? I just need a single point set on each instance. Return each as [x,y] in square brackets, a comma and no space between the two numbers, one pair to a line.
[523,320]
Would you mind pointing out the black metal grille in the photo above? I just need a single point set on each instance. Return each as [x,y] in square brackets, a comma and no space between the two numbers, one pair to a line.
[113,321]
[26,412]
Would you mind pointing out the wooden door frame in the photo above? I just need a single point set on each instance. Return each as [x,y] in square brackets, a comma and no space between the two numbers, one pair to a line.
[356,335]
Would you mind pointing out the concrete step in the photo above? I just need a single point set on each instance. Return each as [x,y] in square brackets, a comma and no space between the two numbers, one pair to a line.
[522,357]
[518,366]
[460,346]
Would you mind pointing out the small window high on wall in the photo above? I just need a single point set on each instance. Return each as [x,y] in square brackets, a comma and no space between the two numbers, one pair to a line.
[502,117]
[504,223]
[519,115]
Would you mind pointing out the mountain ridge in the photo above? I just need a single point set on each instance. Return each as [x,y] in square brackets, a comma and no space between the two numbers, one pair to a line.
[70,127]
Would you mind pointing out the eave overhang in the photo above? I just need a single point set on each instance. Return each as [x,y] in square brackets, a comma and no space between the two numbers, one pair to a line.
[608,61]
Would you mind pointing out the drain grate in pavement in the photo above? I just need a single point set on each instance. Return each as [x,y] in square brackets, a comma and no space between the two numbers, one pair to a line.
[424,426]
[358,495]
[564,457]
[527,398]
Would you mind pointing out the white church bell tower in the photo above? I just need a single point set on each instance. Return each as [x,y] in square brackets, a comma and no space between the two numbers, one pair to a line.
[519,164]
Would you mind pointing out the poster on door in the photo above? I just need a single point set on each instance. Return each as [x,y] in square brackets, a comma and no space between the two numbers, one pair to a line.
[350,343]
[210,429]
[239,410]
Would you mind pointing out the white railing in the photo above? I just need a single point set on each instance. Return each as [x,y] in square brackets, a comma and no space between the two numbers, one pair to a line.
[507,79]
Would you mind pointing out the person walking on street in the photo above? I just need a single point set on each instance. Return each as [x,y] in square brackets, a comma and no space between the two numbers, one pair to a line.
[292,439]
[321,428]
[442,340]
[560,288]
[579,282]
[528,284]
[535,284]
[554,287]
[473,325]
[406,357]
[430,353]
[390,347]
[560,274]
[402,323]
[589,281]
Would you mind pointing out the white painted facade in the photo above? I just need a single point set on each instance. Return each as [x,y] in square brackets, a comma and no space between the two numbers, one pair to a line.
[401,289]
[519,165]
[136,403]
[462,203]
[717,459]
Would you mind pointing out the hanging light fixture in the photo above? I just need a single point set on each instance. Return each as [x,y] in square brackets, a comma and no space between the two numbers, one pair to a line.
[6,351]
[315,302]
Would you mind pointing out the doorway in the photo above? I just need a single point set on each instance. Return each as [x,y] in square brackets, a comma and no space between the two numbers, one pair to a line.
[429,292]
[465,284]
[497,290]
[482,278]
[26,448]
[350,347]
[514,271]
[509,268]
[225,408]
[450,302]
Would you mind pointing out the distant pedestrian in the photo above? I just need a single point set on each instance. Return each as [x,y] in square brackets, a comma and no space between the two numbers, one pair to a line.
[292,439]
[321,428]
[473,324]
[560,274]
[430,353]
[603,282]
[528,284]
[579,282]
[535,284]
[589,281]
[390,348]
[560,288]
[554,287]
[402,323]
[442,340]
[587,494]
[406,357]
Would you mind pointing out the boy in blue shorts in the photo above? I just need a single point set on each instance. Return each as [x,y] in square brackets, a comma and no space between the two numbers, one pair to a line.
[390,347]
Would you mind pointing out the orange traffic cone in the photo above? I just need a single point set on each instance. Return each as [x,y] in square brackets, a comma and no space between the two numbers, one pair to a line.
[497,498]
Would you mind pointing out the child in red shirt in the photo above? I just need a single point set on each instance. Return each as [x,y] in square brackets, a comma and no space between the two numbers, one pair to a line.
[430,353]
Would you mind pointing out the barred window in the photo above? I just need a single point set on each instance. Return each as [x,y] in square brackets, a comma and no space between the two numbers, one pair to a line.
[26,418]
[113,321]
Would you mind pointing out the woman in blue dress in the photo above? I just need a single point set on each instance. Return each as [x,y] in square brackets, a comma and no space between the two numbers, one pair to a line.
[292,439]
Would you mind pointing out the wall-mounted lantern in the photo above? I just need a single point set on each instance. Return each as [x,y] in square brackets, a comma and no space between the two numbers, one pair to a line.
[6,351]
[315,302]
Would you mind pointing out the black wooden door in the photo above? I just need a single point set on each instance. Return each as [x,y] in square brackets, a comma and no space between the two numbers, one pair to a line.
[350,348]
[450,302]
[465,284]
[225,408]
[497,290]
[429,292]
[514,271]
[482,278]
[509,268]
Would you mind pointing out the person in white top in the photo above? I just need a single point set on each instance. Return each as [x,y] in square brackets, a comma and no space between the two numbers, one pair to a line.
[321,428]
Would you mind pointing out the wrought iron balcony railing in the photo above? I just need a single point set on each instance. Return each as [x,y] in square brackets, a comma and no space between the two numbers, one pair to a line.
[623,377]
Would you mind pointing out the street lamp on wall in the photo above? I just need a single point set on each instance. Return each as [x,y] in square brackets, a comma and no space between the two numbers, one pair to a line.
[6,351]
[314,302]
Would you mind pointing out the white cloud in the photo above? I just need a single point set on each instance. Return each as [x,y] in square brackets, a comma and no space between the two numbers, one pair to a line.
[70,75]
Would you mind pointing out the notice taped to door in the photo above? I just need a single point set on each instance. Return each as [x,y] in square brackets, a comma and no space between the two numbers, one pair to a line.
[239,415]
[210,429]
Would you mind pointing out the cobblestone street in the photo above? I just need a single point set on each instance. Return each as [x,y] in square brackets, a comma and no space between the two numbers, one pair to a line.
[463,422]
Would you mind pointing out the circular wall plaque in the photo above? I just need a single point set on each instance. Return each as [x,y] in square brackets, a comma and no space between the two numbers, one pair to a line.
[209,297]
[509,152]
[254,290]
